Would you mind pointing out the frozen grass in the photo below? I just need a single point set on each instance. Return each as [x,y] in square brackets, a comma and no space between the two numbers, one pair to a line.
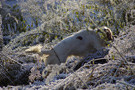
[73,15]
[116,73]
[60,18]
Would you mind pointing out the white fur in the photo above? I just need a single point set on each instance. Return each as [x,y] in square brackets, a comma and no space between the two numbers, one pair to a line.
[78,44]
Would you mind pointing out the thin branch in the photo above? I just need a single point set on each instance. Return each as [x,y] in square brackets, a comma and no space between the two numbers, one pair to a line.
[79,78]
[7,77]
[39,30]
[71,70]
[10,58]
[116,72]
[133,86]
[123,58]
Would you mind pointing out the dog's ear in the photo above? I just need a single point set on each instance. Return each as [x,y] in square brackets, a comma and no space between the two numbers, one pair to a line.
[79,37]
[108,33]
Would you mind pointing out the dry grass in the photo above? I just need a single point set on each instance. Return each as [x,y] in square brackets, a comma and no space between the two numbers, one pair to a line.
[64,17]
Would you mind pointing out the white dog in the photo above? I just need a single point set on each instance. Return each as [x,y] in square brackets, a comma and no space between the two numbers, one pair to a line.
[78,44]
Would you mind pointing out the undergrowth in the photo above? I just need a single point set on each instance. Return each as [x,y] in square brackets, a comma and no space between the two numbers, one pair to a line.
[56,19]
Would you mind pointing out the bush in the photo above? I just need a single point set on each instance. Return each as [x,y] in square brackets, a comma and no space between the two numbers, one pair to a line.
[66,16]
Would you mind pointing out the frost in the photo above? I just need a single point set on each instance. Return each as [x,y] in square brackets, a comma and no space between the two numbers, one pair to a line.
[112,68]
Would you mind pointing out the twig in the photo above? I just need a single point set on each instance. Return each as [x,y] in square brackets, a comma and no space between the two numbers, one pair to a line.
[116,72]
[79,78]
[133,86]
[32,32]
[91,73]
[123,59]
[7,77]
[71,69]
[110,71]
[120,63]
[10,58]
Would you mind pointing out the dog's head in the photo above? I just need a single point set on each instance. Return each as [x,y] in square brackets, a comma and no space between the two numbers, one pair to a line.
[105,33]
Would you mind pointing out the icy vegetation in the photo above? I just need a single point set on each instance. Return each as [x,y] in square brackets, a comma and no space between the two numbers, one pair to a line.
[112,68]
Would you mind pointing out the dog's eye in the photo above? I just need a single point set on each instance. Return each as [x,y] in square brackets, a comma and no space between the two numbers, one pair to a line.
[79,37]
[105,29]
